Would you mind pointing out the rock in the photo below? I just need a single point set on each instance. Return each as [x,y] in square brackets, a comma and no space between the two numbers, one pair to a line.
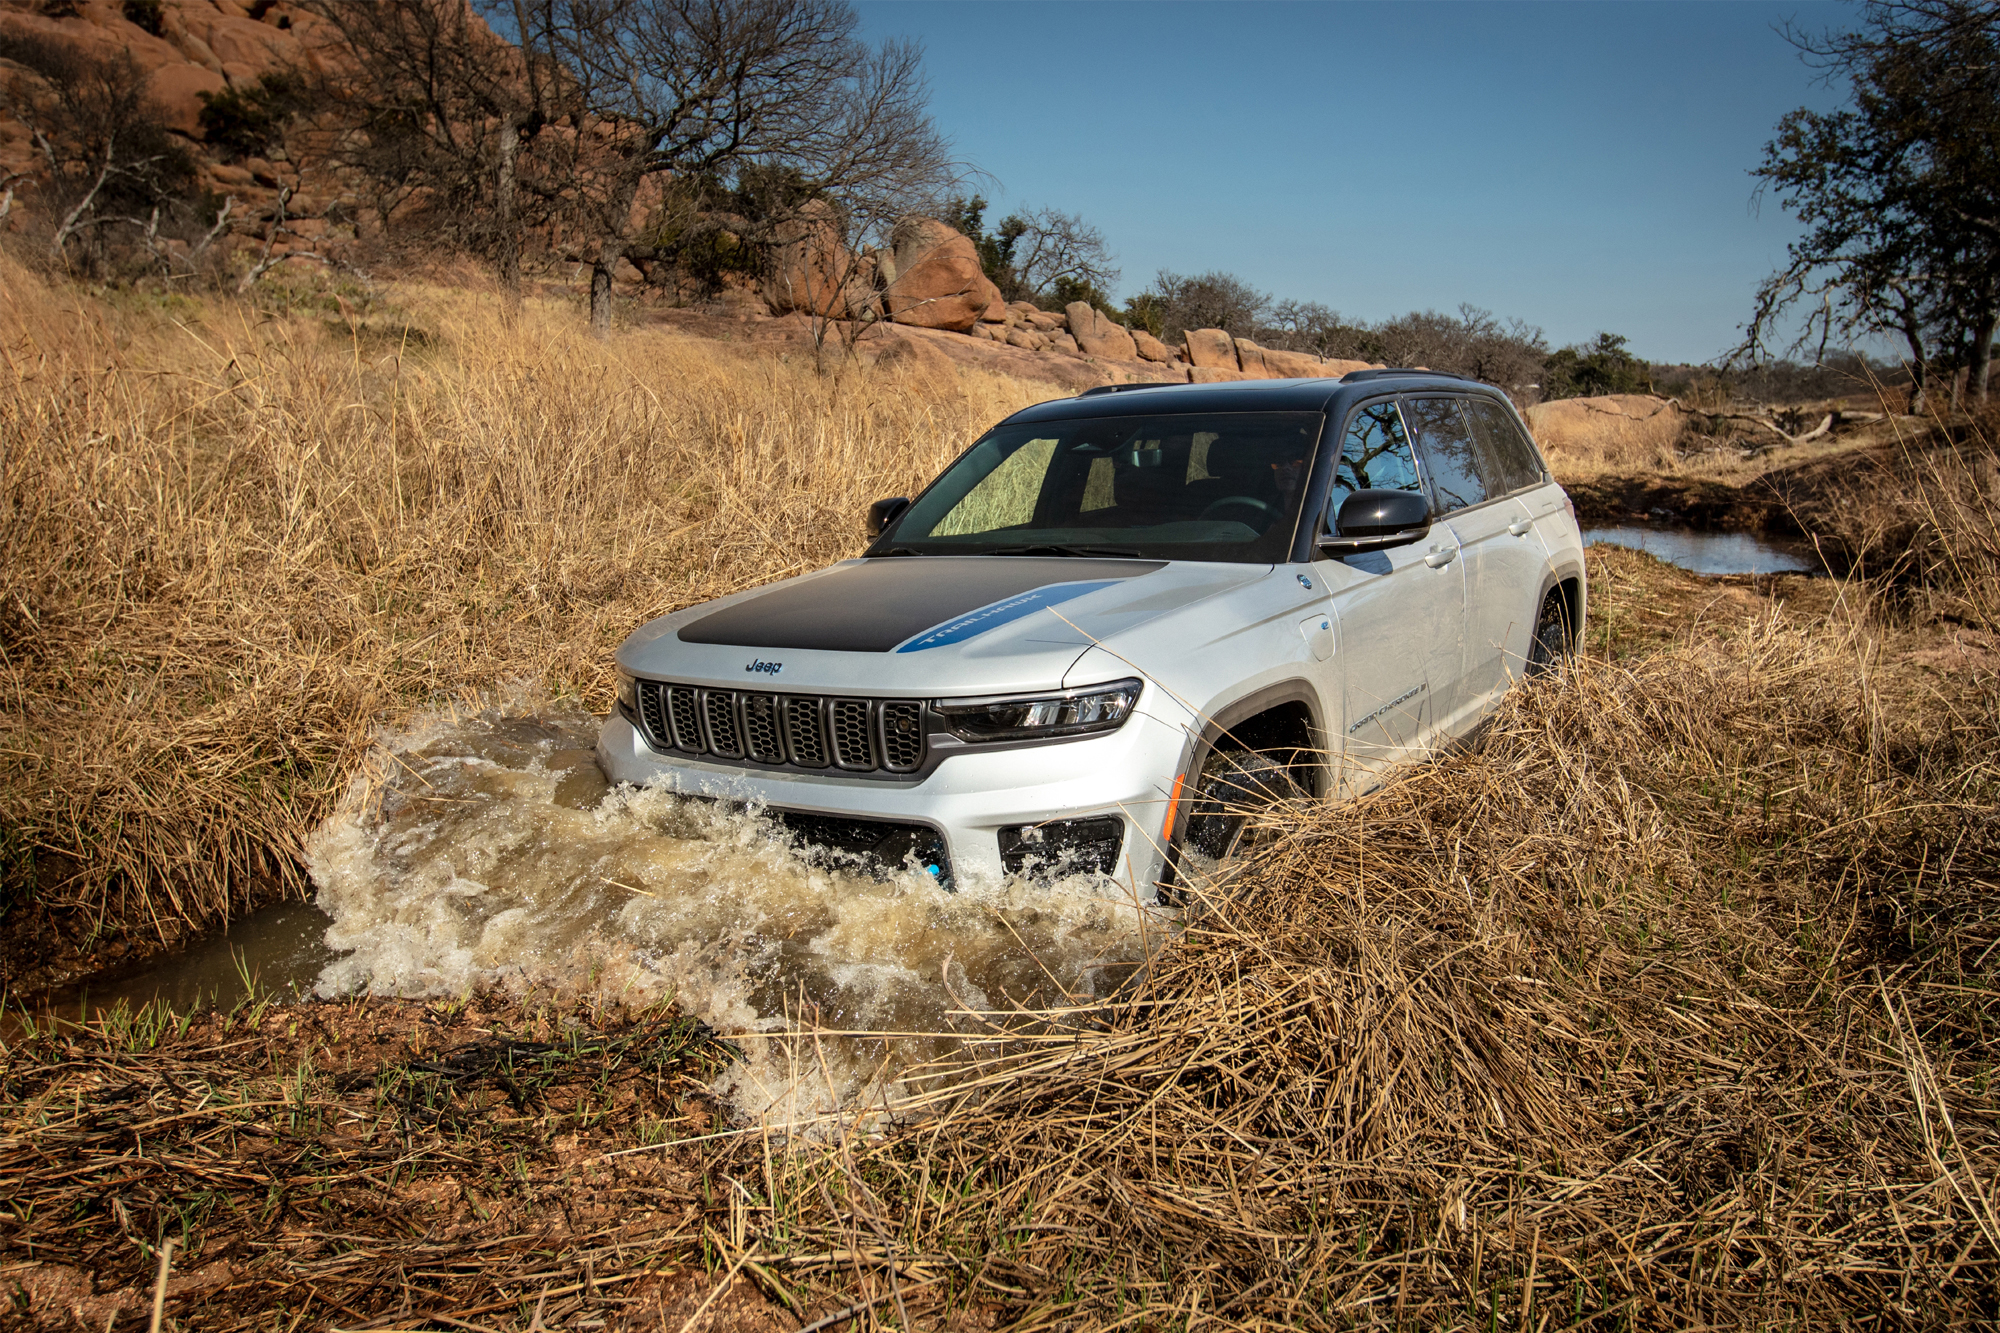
[1215,375]
[1151,348]
[1060,341]
[939,283]
[908,353]
[1097,335]
[1024,308]
[1210,348]
[177,90]
[1250,360]
[809,268]
[1044,320]
[1026,338]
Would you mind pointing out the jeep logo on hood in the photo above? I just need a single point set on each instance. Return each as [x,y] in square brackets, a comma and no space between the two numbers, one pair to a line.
[768,668]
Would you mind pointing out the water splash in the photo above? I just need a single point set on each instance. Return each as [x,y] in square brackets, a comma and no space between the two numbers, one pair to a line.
[485,848]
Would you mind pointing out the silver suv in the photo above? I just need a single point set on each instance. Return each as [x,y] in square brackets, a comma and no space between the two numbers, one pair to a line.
[1119,618]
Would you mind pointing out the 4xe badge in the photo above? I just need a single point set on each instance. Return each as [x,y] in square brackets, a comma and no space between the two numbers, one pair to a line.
[768,668]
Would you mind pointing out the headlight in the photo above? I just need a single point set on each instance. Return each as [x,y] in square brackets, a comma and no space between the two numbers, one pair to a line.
[1071,713]
[628,693]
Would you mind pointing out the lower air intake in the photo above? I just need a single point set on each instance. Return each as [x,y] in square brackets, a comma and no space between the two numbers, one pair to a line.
[876,846]
[1063,847]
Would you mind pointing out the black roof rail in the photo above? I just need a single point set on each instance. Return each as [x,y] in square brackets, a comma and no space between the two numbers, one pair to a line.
[1123,388]
[1358,376]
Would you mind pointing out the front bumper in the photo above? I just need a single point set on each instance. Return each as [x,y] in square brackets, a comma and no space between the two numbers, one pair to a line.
[968,797]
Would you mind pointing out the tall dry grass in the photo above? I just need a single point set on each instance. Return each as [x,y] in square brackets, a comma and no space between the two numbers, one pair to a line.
[1670,1006]
[1673,1005]
[1625,432]
[236,538]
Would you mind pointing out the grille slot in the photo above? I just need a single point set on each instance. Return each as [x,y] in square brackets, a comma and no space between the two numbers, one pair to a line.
[853,746]
[805,732]
[653,715]
[718,712]
[686,721]
[761,739]
[902,735]
[789,730]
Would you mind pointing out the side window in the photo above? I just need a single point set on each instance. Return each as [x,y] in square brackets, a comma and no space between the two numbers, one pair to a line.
[1508,459]
[1375,453]
[1449,453]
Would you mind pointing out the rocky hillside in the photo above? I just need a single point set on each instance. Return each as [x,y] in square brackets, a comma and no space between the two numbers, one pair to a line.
[924,294]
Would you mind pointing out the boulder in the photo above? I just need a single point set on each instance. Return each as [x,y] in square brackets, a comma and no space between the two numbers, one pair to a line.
[1045,320]
[1097,335]
[1151,348]
[809,268]
[1210,348]
[1250,360]
[177,90]
[907,353]
[1215,375]
[1027,338]
[939,283]
[995,313]
[1060,341]
[1024,308]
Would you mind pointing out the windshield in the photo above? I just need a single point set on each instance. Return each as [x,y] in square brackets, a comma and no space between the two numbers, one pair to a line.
[1209,486]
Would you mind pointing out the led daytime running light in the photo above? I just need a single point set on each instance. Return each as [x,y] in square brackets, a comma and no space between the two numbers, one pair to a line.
[1071,713]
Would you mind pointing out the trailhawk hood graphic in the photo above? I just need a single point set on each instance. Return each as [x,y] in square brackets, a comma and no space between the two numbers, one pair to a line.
[906,604]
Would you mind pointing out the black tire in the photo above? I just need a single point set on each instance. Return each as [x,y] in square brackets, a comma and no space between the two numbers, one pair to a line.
[1552,644]
[1233,786]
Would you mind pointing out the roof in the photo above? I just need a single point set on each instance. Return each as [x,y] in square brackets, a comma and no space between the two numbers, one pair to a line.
[1293,395]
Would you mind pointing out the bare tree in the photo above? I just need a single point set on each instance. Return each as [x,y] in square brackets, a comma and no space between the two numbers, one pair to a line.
[104,159]
[697,90]
[1212,300]
[1048,248]
[435,104]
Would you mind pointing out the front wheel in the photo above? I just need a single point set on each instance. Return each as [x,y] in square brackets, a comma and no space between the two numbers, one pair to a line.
[1222,829]
[1552,643]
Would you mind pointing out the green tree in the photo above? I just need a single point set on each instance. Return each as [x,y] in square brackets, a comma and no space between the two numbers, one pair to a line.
[1601,366]
[1899,192]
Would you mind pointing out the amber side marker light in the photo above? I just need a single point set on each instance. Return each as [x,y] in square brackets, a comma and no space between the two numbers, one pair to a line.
[1173,808]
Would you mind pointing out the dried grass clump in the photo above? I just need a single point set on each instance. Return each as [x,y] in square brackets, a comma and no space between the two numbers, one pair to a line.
[1620,432]
[1917,516]
[1673,1005]
[235,540]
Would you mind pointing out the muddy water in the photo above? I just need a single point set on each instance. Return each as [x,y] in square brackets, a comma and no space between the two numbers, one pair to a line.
[487,849]
[1712,552]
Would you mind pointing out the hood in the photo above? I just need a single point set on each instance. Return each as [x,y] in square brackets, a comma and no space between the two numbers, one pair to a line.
[921,624]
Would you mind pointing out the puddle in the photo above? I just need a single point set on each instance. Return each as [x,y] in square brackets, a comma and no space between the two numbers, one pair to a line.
[487,849]
[1712,552]
[279,949]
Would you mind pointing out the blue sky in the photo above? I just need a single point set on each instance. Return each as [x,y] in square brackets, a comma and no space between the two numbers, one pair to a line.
[1582,166]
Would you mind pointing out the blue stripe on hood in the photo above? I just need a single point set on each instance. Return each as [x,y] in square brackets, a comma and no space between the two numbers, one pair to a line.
[995,614]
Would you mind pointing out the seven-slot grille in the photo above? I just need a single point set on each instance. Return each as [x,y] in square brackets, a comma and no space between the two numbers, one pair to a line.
[801,730]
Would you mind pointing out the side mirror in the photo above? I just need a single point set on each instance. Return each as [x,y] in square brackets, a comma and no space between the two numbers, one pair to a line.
[884,512]
[1377,521]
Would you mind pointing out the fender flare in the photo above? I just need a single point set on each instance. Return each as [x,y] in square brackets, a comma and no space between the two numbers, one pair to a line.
[1214,728]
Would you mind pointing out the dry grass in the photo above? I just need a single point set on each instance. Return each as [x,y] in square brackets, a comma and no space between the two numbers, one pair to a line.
[1672,1005]
[1627,432]
[236,538]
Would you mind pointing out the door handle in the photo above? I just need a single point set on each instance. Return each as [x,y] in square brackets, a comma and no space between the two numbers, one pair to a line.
[1520,526]
[1439,559]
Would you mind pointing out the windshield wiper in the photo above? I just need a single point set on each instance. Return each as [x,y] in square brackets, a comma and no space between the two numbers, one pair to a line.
[1063,550]
[899,550]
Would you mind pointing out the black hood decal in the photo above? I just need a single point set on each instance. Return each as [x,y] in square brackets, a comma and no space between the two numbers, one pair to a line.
[873,606]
